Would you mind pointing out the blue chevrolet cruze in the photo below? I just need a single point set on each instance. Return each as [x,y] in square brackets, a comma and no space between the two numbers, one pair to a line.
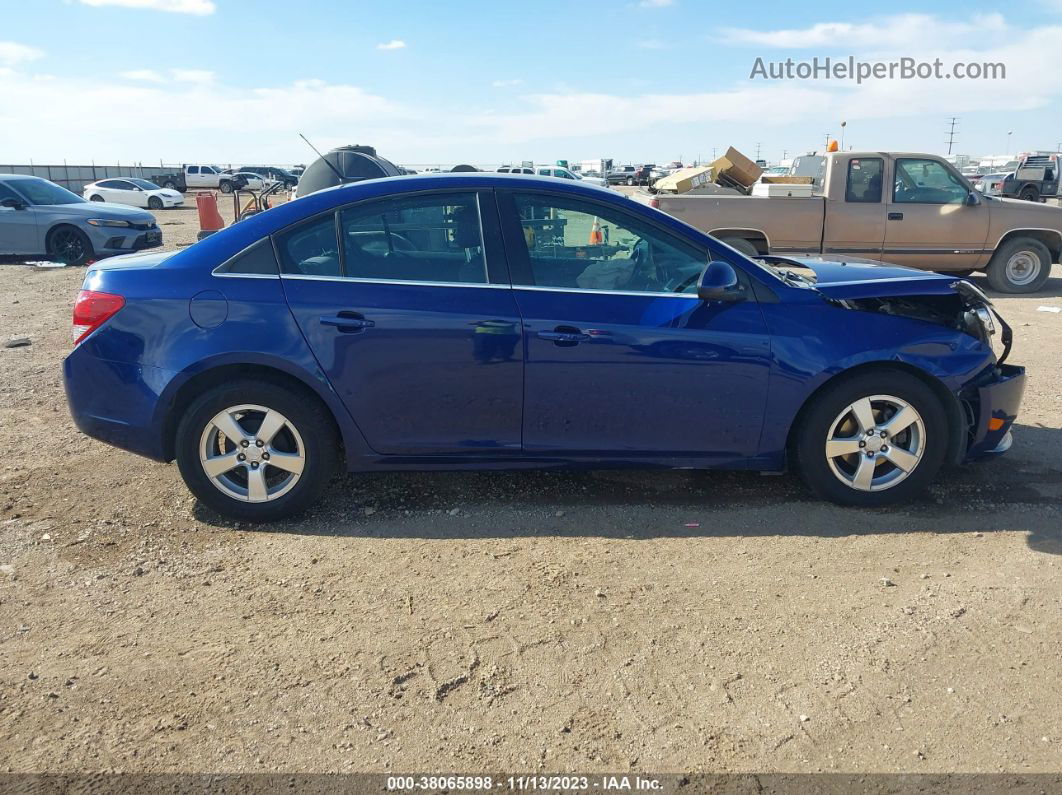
[475,321]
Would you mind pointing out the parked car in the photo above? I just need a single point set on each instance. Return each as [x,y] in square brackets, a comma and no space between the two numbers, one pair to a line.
[624,175]
[402,334]
[133,192]
[991,184]
[564,173]
[905,208]
[516,170]
[274,174]
[40,218]
[249,180]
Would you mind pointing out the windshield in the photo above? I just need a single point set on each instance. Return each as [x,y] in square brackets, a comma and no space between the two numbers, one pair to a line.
[40,191]
[143,183]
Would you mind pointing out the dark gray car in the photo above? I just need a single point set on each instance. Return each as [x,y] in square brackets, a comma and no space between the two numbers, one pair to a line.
[39,218]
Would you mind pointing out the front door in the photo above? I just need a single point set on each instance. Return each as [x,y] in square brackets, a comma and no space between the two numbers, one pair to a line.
[18,227]
[623,359]
[411,316]
[928,223]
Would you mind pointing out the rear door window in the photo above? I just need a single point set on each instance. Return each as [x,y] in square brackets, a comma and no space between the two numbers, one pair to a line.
[864,180]
[310,249]
[429,238]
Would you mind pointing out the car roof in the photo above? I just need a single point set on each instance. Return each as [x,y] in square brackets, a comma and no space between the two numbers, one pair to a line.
[21,176]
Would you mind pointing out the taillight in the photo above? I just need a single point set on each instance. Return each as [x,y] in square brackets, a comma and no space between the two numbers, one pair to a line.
[91,310]
[655,203]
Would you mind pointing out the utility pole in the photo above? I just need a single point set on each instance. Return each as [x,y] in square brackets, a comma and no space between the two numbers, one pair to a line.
[951,132]
[784,153]
[758,145]
[827,144]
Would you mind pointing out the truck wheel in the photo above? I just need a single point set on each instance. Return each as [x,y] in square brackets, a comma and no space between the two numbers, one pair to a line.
[630,180]
[170,185]
[1021,265]
[871,439]
[226,187]
[1029,194]
[742,245]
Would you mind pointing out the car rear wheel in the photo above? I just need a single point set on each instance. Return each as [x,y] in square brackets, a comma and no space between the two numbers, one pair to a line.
[1029,194]
[70,245]
[1021,265]
[95,197]
[256,451]
[876,438]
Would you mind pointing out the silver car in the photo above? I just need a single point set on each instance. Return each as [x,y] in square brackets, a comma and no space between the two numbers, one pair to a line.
[39,218]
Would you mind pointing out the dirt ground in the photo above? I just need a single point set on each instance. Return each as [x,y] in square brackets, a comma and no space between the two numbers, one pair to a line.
[644,621]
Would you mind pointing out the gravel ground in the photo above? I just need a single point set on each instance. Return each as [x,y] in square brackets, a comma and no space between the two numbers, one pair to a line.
[649,621]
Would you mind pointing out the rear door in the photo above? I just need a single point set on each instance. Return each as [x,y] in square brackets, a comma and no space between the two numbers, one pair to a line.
[854,223]
[411,314]
[622,358]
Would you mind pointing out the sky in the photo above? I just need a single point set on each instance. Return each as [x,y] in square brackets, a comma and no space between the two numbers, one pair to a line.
[489,81]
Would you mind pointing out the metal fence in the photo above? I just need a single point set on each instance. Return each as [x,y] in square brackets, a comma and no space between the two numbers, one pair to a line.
[75,178]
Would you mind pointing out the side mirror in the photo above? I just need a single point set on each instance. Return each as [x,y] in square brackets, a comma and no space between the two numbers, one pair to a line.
[972,199]
[14,204]
[719,282]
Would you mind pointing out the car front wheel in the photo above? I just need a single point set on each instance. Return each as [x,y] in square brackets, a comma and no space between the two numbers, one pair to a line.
[256,451]
[876,438]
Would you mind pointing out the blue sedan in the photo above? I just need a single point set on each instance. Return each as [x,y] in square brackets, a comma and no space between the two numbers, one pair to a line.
[487,321]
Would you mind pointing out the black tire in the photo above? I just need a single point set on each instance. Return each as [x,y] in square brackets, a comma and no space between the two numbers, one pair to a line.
[70,245]
[630,180]
[154,203]
[170,185]
[816,421]
[1002,272]
[746,247]
[95,197]
[1029,194]
[225,187]
[310,419]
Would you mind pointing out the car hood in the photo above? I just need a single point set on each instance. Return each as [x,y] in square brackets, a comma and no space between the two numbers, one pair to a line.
[114,212]
[862,278]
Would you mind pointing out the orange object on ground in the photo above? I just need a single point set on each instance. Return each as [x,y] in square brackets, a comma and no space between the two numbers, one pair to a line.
[210,220]
[596,238]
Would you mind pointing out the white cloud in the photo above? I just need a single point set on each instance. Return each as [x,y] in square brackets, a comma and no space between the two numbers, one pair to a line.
[11,53]
[197,7]
[393,44]
[908,32]
[146,75]
[192,75]
[507,83]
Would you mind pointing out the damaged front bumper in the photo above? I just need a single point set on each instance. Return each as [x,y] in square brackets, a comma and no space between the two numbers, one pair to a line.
[991,403]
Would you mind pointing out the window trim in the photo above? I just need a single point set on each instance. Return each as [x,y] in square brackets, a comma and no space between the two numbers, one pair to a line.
[896,167]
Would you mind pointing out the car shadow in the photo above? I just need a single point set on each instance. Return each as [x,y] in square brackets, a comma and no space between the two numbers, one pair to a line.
[1016,492]
[1051,290]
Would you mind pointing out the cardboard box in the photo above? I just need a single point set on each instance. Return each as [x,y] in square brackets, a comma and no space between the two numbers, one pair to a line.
[787,180]
[738,167]
[684,179]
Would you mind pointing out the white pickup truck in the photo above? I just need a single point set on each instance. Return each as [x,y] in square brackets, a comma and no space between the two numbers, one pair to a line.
[198,176]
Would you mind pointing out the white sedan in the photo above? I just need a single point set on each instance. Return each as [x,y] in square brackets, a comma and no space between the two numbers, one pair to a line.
[134,193]
[248,180]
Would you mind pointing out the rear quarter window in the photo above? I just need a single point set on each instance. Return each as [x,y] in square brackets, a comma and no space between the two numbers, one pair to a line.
[259,260]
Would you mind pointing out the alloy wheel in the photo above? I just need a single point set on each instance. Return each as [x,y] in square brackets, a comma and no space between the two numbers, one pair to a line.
[875,443]
[68,246]
[252,453]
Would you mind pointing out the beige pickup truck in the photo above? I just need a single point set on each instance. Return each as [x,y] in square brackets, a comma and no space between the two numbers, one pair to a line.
[905,208]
